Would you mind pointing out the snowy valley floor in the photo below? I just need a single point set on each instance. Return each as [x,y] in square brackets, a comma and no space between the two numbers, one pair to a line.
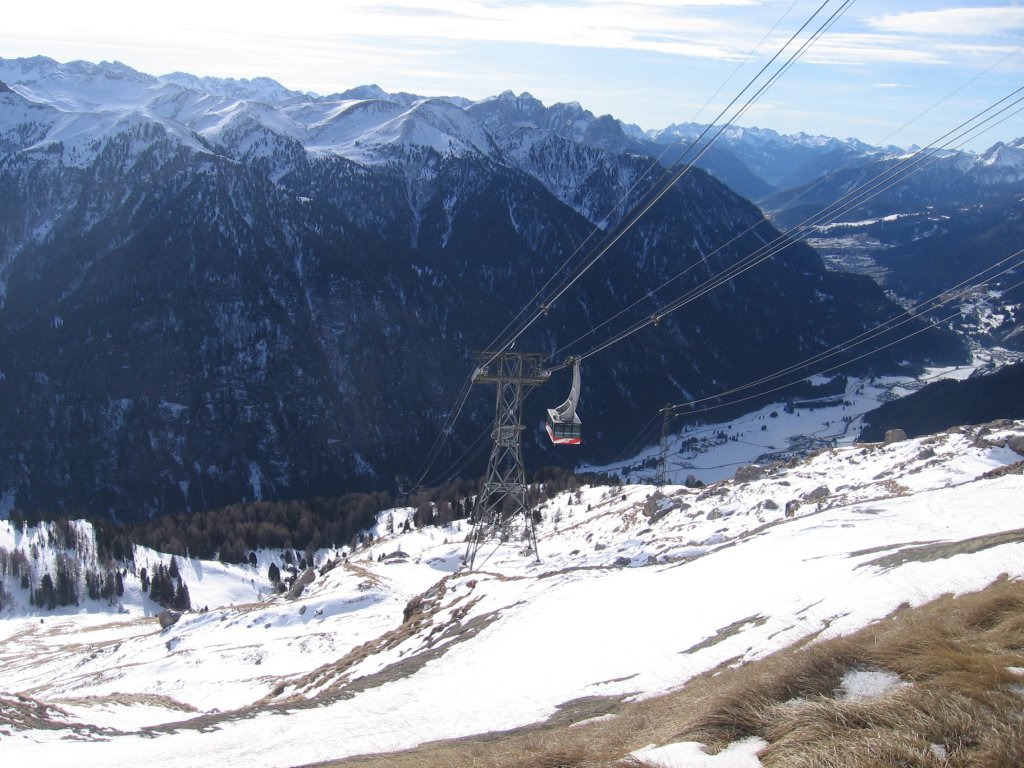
[638,592]
[714,450]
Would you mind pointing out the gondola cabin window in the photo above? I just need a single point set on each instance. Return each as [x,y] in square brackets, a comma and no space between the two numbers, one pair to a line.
[564,432]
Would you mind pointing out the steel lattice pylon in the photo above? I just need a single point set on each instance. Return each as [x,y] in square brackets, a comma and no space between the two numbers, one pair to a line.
[502,511]
[662,477]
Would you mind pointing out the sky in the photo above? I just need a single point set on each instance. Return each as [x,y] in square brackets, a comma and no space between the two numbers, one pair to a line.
[886,73]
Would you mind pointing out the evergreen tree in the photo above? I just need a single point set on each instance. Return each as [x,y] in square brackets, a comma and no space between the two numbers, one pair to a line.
[46,595]
[67,582]
[161,587]
[107,592]
[181,597]
[92,585]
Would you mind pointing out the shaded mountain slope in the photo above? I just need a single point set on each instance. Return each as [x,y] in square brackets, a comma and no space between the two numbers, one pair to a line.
[202,304]
[945,404]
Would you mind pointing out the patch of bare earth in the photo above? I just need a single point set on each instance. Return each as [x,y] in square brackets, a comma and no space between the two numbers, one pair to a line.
[19,712]
[931,551]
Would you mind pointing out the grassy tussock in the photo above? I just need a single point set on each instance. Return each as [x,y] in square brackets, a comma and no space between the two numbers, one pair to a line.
[959,707]
[741,702]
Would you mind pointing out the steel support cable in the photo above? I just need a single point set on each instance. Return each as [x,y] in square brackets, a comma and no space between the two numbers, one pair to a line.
[953,93]
[659,191]
[539,312]
[654,197]
[816,219]
[672,307]
[790,383]
[757,257]
[911,313]
[796,56]
[658,194]
[497,343]
[709,408]
[534,304]
[752,99]
[965,289]
[656,162]
[885,181]
[639,438]
[676,409]
[833,211]
[941,101]
[621,463]
[462,462]
[894,174]
[914,119]
[453,414]
[969,286]
[747,58]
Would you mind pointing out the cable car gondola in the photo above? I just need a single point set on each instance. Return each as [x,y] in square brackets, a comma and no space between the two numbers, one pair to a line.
[563,425]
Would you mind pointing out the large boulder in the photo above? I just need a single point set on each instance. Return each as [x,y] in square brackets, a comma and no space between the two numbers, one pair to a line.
[749,472]
[657,506]
[295,590]
[894,436]
[168,618]
[818,494]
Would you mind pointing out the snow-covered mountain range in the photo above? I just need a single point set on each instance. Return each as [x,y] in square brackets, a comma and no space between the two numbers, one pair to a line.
[638,591]
[216,290]
[74,100]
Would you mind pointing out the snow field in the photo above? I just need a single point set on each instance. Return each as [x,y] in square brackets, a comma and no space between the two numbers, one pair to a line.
[621,604]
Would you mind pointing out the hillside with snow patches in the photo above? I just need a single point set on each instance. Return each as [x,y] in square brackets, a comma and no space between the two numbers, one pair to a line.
[637,591]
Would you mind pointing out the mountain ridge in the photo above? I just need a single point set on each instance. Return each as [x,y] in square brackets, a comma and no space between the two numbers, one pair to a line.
[740,156]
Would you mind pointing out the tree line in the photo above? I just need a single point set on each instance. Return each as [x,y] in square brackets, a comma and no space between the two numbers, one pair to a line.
[232,533]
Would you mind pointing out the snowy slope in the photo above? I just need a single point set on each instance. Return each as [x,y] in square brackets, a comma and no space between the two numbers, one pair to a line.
[94,100]
[636,592]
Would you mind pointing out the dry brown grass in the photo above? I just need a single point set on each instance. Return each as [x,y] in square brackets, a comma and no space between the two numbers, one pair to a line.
[740,702]
[956,710]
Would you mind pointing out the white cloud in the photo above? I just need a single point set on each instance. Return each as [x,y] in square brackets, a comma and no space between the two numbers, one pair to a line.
[854,48]
[953,21]
[682,27]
